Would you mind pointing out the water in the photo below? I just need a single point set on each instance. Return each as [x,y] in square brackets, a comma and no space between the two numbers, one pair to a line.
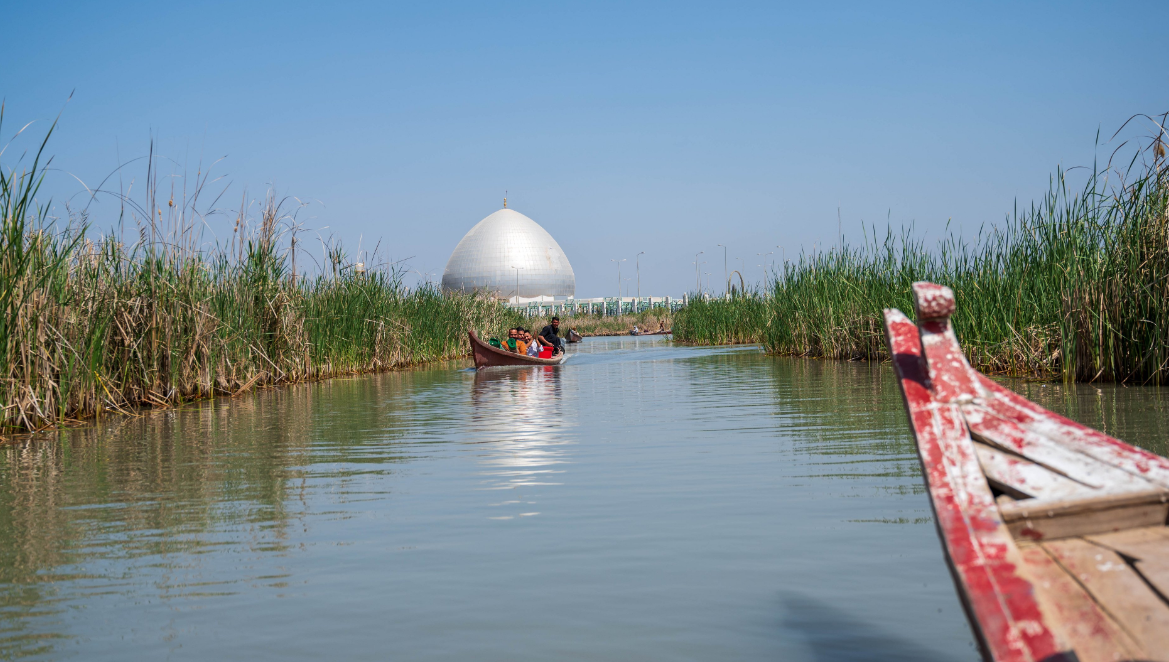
[642,502]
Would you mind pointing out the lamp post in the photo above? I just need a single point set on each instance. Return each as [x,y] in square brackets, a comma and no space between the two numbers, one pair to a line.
[726,274]
[764,256]
[618,283]
[638,258]
[697,277]
[517,284]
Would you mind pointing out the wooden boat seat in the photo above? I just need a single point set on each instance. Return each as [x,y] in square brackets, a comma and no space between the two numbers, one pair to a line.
[1056,534]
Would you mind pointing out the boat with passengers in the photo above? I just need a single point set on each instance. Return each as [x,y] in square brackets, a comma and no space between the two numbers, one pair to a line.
[487,355]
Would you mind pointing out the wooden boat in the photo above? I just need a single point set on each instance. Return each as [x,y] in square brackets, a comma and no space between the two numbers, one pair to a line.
[1055,533]
[574,337]
[487,356]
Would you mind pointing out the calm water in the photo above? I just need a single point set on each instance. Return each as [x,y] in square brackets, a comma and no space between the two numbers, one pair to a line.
[642,502]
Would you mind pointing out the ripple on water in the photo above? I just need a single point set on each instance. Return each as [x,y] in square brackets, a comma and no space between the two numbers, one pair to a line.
[645,500]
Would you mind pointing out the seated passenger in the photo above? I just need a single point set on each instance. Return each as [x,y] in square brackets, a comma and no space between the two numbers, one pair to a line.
[521,345]
[533,346]
[550,336]
[511,338]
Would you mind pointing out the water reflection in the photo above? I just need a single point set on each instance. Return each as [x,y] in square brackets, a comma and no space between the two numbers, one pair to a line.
[645,501]
[520,428]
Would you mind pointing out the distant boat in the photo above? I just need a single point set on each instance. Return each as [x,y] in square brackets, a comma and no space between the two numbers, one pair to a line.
[573,336]
[487,356]
[1055,533]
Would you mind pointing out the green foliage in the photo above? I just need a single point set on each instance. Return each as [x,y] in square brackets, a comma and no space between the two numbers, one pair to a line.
[87,326]
[742,318]
[1076,287]
[650,320]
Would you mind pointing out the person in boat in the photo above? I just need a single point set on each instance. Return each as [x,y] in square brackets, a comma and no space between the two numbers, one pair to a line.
[550,336]
[533,346]
[510,344]
[521,342]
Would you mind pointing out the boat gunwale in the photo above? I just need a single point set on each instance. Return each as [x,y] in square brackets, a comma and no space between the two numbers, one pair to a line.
[508,358]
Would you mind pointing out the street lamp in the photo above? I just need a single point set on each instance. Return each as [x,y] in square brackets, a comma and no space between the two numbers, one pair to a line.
[726,274]
[697,278]
[517,283]
[638,258]
[618,283]
[764,256]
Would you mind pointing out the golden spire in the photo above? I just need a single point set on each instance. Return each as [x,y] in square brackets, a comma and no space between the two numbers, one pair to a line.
[505,199]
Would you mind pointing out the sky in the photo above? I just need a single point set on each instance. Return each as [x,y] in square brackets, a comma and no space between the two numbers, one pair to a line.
[663,128]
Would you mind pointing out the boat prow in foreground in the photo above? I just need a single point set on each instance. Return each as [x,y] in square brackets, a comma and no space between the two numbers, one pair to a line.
[1055,533]
[487,356]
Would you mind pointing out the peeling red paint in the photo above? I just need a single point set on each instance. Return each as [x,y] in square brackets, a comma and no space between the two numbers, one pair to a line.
[984,559]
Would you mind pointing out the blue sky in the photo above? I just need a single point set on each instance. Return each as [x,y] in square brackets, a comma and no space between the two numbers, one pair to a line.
[659,127]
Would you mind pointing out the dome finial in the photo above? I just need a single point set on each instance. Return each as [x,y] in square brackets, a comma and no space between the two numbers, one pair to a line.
[505,199]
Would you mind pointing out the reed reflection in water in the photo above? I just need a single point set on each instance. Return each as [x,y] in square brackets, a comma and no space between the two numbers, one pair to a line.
[643,501]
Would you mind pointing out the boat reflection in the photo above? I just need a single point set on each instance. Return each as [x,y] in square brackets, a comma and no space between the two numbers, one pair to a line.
[521,432]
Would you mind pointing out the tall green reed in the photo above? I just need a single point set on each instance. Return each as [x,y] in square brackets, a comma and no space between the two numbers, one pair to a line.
[92,323]
[1074,287]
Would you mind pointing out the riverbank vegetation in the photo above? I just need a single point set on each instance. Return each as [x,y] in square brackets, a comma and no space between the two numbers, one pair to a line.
[1074,287]
[91,323]
[652,321]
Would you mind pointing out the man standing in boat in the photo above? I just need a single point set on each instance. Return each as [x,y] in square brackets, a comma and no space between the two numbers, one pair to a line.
[550,336]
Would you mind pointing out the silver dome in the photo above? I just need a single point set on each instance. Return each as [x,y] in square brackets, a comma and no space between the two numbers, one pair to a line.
[486,257]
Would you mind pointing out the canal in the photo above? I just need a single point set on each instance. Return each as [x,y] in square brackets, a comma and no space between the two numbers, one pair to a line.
[645,501]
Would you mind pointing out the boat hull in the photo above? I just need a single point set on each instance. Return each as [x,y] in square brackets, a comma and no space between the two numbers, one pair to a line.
[1055,533]
[487,356]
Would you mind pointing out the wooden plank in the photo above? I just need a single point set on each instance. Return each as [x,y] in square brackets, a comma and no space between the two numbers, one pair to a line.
[982,555]
[1032,417]
[989,427]
[1052,519]
[1087,628]
[1022,478]
[1119,590]
[1141,543]
[1149,550]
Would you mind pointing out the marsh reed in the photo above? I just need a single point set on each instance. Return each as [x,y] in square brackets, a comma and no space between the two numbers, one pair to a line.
[94,323]
[1074,287]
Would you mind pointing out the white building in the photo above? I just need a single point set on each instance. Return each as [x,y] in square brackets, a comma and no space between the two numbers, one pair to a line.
[512,257]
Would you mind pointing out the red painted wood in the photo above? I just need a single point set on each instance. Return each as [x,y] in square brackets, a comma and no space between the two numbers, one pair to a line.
[1030,416]
[951,377]
[982,555]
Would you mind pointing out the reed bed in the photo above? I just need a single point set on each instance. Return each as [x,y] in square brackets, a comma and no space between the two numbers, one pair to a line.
[650,321]
[741,318]
[91,324]
[1075,287]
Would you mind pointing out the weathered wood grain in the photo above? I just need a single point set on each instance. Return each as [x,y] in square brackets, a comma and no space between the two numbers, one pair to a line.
[1033,588]
[1052,519]
[1087,628]
[1119,590]
[983,558]
[1022,478]
[995,430]
[1068,433]
[1149,550]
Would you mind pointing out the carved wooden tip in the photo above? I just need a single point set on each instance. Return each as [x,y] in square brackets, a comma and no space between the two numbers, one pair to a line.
[932,301]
